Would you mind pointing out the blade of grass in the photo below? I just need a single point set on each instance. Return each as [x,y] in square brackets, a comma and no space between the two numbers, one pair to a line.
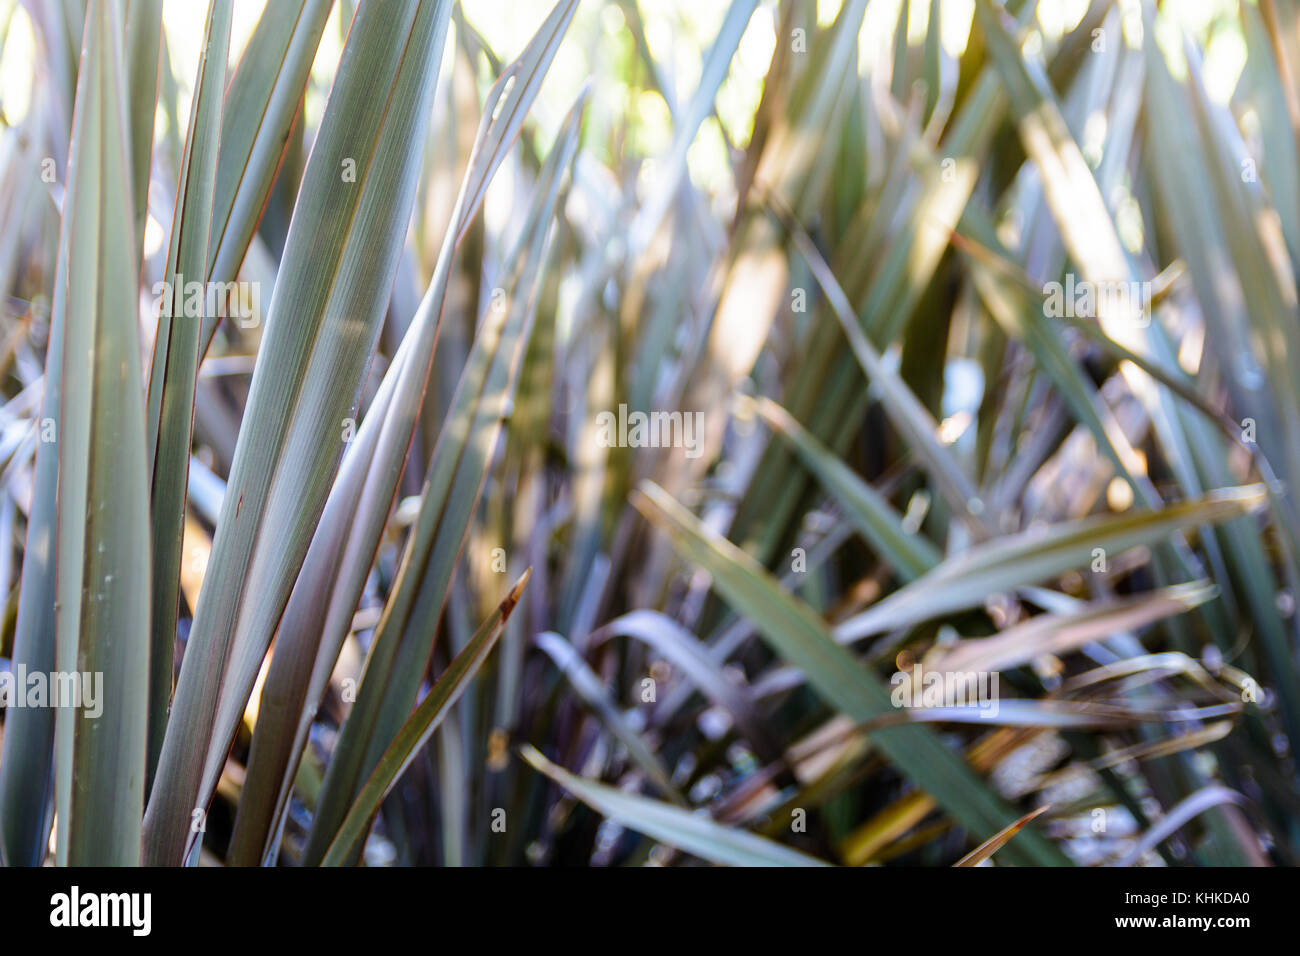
[102,589]
[1061,633]
[990,846]
[1036,555]
[685,652]
[262,104]
[416,732]
[909,554]
[679,828]
[595,695]
[143,53]
[169,401]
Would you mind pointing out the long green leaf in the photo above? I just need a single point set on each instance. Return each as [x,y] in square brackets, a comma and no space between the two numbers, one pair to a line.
[263,101]
[1038,554]
[143,53]
[170,398]
[103,549]
[908,553]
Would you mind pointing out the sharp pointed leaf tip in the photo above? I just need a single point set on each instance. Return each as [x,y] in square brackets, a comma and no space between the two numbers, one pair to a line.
[511,599]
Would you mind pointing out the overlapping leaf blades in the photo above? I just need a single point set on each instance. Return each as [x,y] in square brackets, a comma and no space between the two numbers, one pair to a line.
[338,263]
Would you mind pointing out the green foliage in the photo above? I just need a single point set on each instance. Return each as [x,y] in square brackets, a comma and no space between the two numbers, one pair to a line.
[847,356]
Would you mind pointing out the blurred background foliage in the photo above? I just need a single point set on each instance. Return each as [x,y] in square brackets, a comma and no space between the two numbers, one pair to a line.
[827,227]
